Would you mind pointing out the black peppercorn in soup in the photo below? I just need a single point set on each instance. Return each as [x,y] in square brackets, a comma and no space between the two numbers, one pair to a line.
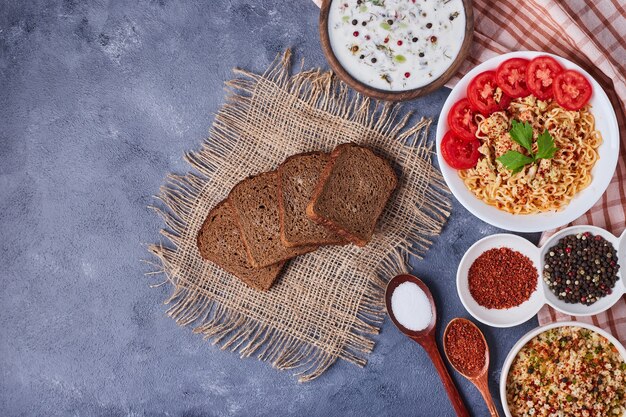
[396,45]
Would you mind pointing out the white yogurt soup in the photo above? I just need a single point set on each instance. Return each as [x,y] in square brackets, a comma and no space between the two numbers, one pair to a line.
[396,45]
[411,306]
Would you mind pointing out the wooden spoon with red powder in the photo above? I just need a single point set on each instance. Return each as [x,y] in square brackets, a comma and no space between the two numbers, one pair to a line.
[467,351]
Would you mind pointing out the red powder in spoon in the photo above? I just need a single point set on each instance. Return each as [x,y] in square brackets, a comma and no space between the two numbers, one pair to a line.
[465,347]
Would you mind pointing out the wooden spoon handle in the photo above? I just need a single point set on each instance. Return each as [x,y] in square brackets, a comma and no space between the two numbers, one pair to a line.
[430,346]
[483,386]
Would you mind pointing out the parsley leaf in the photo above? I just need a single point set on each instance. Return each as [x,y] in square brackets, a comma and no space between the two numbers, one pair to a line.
[522,133]
[515,161]
[545,146]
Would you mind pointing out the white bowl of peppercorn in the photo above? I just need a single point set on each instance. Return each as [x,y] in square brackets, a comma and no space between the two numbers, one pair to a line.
[581,271]
[503,280]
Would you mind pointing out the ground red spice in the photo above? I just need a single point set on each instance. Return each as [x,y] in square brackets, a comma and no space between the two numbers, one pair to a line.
[465,347]
[502,278]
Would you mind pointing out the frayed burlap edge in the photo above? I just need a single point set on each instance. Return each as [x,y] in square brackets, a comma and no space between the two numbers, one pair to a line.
[209,308]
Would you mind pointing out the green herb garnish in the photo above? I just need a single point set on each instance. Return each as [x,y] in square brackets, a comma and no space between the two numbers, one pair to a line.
[545,146]
[522,134]
[515,161]
[399,58]
[385,26]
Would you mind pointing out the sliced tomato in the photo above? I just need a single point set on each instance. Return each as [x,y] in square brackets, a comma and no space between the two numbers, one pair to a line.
[484,94]
[540,75]
[461,120]
[459,153]
[572,90]
[511,77]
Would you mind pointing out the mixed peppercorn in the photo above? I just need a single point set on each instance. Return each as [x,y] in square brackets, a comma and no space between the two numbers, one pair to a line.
[581,268]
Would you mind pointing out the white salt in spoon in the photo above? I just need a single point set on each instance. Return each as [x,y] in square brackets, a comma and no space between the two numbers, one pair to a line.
[411,308]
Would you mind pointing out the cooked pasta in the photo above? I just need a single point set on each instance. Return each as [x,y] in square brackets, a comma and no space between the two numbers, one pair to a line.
[549,184]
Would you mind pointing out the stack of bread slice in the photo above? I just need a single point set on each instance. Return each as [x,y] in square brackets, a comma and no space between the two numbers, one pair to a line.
[312,199]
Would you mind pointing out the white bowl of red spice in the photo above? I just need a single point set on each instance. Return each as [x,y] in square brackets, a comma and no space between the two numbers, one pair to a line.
[504,271]
[503,280]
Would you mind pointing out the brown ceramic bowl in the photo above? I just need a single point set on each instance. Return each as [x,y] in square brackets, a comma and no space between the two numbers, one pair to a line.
[386,94]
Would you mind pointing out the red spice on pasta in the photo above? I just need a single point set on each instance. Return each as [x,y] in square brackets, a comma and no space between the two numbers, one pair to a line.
[548,185]
[502,278]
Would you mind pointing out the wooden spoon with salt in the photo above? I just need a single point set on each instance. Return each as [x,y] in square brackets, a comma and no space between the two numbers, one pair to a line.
[480,377]
[426,338]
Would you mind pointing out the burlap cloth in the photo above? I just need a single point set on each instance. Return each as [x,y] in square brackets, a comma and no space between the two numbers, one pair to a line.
[328,303]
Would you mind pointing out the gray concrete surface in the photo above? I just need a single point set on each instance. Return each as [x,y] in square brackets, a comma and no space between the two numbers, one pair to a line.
[98,102]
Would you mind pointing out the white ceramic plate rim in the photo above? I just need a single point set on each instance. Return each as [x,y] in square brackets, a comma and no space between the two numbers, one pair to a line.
[542,294]
[606,122]
[538,330]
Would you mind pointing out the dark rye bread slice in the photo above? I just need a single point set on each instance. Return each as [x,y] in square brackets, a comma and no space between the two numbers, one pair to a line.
[255,206]
[298,176]
[219,241]
[352,192]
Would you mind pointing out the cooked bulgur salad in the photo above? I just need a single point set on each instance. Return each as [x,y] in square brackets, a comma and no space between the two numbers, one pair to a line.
[567,371]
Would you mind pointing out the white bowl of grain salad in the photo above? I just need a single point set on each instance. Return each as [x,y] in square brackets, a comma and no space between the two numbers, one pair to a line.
[565,369]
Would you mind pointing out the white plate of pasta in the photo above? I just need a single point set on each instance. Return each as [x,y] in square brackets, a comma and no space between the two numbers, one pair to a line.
[535,154]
